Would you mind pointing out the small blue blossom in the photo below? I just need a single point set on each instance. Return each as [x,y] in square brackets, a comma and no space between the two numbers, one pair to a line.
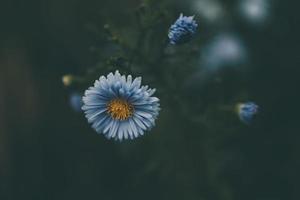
[119,107]
[247,111]
[76,101]
[182,30]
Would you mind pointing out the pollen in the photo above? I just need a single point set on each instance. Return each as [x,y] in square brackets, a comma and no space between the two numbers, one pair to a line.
[119,109]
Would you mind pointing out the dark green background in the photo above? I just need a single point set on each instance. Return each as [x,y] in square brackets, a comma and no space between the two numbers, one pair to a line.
[47,151]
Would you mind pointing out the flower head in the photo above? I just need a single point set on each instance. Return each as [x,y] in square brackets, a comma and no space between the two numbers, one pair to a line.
[182,30]
[120,107]
[247,111]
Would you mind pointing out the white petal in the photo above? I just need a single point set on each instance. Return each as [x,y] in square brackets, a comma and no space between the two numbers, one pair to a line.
[151,91]
[143,114]
[110,78]
[129,80]
[100,124]
[137,82]
[107,128]
[114,129]
[133,127]
[139,123]
[91,117]
[126,131]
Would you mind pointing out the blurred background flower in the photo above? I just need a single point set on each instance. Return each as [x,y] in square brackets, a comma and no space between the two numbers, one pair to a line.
[223,50]
[254,11]
[76,101]
[67,80]
[210,11]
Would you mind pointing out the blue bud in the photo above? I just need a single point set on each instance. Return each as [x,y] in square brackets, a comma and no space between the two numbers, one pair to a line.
[247,111]
[182,30]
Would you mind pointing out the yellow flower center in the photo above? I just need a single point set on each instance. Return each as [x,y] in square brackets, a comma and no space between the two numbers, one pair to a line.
[119,109]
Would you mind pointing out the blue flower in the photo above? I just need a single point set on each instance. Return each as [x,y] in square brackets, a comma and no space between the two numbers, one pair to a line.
[247,111]
[182,30]
[76,101]
[120,107]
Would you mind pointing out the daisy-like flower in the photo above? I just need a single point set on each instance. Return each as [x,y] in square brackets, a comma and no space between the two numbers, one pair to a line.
[120,107]
[182,30]
[247,111]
